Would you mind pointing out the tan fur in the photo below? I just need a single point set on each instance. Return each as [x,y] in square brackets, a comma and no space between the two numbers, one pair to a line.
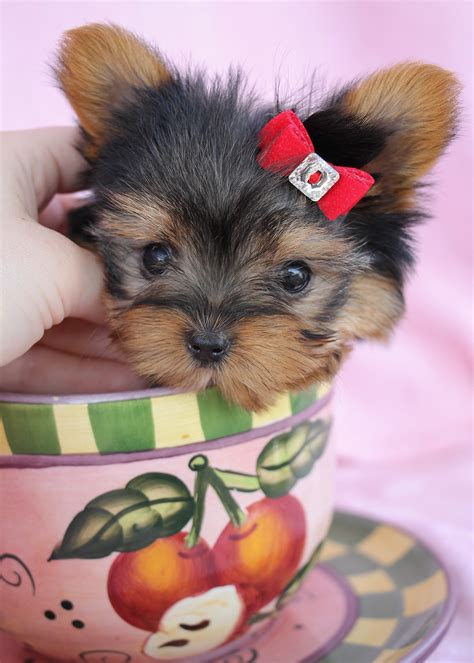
[310,242]
[98,67]
[156,345]
[373,307]
[268,355]
[139,220]
[419,103]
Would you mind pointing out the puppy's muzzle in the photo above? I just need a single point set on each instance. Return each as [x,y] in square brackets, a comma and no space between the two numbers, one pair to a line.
[209,347]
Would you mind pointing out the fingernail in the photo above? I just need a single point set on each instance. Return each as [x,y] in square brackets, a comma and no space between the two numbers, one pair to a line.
[86,194]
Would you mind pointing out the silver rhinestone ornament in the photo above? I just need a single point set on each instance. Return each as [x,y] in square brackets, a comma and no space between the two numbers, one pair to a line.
[308,167]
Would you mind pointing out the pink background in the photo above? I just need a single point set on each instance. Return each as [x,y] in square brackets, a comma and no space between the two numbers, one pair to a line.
[404,427]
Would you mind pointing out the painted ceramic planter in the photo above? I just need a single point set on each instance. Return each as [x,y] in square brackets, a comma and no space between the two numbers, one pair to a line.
[157,525]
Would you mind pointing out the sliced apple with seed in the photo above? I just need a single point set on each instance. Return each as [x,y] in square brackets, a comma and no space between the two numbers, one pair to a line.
[197,624]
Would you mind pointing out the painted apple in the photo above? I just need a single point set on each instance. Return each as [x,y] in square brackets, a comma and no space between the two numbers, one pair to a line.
[142,585]
[197,624]
[262,555]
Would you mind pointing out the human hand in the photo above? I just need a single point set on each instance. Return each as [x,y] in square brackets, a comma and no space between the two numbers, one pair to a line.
[53,337]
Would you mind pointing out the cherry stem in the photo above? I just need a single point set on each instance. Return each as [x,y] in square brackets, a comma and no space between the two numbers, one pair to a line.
[199,465]
[235,513]
[205,476]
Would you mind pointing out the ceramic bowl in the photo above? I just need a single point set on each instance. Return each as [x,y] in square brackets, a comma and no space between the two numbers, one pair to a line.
[157,525]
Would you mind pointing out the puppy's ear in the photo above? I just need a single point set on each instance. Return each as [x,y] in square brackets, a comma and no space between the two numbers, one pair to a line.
[99,68]
[393,124]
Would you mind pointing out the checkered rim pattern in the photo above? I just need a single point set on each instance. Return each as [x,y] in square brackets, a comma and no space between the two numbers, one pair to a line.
[136,425]
[401,587]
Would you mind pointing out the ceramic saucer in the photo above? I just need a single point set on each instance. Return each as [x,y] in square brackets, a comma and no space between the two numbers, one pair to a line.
[379,595]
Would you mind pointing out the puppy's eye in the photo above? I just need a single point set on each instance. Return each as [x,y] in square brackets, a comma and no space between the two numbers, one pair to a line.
[156,257]
[295,276]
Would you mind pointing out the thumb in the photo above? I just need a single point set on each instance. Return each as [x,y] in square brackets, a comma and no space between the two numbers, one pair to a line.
[49,279]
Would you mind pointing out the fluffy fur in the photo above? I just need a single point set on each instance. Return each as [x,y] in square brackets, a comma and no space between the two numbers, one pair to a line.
[173,160]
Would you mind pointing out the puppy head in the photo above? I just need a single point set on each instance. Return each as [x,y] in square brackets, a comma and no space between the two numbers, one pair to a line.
[219,272]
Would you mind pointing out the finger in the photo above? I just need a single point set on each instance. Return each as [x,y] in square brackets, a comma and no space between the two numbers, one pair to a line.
[55,214]
[44,281]
[46,371]
[79,278]
[84,339]
[81,287]
[39,163]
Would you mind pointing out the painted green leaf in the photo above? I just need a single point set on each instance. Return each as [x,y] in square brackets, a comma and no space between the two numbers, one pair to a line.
[166,495]
[151,506]
[245,483]
[291,456]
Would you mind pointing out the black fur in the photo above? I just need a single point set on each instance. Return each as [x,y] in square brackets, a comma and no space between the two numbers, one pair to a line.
[81,224]
[344,140]
[191,147]
[387,238]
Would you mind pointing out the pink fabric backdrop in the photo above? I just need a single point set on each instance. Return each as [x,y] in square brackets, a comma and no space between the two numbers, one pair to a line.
[404,424]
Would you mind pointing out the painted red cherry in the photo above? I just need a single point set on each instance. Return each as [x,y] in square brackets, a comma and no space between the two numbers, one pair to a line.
[142,585]
[262,555]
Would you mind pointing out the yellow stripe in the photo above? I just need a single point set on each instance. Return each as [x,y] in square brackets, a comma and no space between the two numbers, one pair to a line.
[395,655]
[371,632]
[177,421]
[372,582]
[4,446]
[425,595]
[385,545]
[331,550]
[281,410]
[322,389]
[74,429]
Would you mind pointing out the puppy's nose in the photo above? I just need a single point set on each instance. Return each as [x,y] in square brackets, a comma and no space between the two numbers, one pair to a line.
[208,347]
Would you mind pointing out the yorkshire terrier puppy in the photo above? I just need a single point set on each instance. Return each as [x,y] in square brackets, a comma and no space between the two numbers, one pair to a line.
[219,269]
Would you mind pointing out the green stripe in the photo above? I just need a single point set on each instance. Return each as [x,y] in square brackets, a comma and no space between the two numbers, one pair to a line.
[122,426]
[302,399]
[30,429]
[219,418]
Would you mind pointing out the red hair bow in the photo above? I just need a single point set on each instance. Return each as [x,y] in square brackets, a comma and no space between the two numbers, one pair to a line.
[286,148]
